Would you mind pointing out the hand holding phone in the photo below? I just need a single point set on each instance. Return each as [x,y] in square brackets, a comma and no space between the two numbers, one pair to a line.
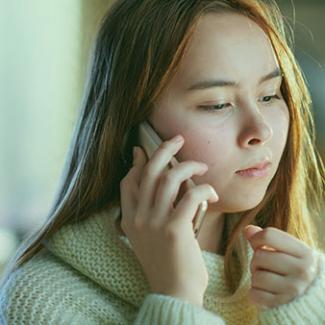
[150,141]
[162,234]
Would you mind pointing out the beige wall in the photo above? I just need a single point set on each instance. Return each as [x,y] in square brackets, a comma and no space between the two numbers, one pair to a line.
[42,67]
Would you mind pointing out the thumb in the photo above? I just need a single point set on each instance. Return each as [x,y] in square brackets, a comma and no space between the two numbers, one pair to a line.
[251,230]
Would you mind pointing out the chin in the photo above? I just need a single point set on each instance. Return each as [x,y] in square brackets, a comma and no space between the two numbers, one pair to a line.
[240,205]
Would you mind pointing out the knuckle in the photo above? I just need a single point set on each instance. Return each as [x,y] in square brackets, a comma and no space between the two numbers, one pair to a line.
[293,289]
[190,195]
[148,171]
[170,233]
[123,181]
[164,146]
[167,177]
[308,274]
[125,184]
[265,236]
[302,271]
[282,299]
[123,187]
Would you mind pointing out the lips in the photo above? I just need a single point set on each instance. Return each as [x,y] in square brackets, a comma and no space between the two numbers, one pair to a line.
[258,166]
[259,170]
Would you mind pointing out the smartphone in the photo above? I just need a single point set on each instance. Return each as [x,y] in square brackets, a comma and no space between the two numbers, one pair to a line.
[149,140]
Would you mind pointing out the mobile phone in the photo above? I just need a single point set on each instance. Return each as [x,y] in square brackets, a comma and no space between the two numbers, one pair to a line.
[149,140]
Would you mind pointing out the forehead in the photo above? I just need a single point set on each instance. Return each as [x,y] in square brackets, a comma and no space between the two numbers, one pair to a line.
[227,45]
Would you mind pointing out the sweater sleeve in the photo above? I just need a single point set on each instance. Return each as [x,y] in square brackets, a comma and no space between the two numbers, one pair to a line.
[47,291]
[164,310]
[308,308]
[18,307]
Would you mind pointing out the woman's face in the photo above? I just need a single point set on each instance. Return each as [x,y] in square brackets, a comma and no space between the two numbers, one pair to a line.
[236,118]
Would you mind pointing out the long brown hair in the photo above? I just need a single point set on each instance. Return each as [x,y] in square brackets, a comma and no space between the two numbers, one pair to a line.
[136,53]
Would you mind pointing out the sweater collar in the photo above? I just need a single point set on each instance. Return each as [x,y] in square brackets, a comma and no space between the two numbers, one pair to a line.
[95,248]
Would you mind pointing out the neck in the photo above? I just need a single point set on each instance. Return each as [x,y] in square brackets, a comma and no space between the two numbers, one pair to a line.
[211,233]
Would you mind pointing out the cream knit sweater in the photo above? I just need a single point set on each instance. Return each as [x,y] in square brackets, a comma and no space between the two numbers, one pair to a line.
[90,275]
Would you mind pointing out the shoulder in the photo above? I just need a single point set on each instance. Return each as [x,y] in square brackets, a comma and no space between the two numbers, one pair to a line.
[47,290]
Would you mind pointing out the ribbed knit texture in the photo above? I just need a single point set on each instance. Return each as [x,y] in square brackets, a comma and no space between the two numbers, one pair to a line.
[90,275]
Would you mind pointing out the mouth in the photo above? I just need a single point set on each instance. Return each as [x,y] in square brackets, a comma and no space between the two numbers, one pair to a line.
[258,170]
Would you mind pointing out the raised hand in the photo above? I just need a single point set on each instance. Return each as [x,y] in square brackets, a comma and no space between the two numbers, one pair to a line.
[161,233]
[283,267]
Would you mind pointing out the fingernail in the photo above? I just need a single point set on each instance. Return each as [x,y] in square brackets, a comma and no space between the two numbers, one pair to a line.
[215,197]
[178,138]
[254,227]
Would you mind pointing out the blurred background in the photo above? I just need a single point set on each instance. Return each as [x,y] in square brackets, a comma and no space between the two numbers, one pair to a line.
[43,64]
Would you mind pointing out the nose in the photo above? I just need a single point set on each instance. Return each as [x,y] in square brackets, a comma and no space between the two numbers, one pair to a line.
[256,130]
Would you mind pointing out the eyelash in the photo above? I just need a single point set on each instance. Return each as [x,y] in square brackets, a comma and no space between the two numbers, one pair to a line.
[210,107]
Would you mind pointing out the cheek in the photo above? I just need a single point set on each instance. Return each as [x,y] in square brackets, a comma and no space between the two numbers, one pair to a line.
[208,147]
[280,125]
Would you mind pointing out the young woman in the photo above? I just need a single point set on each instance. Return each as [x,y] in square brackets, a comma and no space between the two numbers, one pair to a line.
[117,248]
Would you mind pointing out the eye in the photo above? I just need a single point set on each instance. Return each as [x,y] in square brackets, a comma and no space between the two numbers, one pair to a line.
[222,107]
[267,99]
[217,107]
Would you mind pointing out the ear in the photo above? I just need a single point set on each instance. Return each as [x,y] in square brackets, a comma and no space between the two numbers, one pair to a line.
[251,230]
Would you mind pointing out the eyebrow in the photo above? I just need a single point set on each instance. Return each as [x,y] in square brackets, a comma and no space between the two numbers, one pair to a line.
[225,83]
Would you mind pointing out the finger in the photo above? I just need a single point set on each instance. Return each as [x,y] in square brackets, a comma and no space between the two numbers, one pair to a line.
[139,161]
[133,177]
[128,201]
[263,298]
[129,185]
[170,182]
[151,173]
[251,230]
[276,262]
[269,282]
[188,205]
[279,240]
